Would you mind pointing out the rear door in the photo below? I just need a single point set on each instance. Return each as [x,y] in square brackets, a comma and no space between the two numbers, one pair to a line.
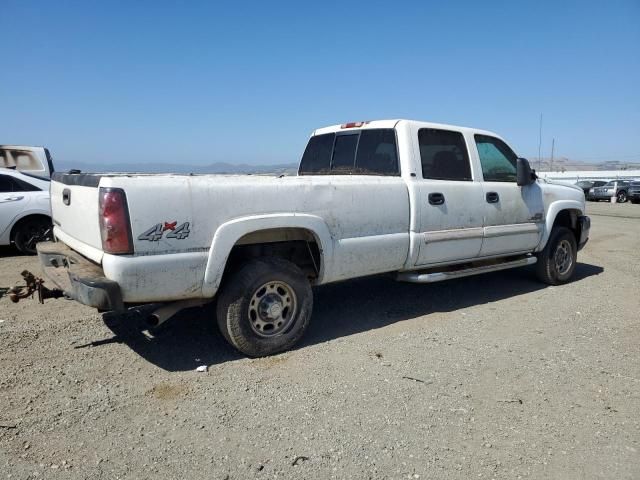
[450,198]
[514,215]
[15,197]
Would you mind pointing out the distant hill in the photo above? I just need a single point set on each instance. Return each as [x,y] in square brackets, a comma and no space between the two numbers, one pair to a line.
[287,169]
[562,164]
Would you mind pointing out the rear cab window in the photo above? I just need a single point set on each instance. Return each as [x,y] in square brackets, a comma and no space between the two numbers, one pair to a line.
[362,152]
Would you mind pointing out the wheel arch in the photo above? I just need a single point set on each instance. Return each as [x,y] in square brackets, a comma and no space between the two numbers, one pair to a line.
[562,213]
[260,230]
[24,218]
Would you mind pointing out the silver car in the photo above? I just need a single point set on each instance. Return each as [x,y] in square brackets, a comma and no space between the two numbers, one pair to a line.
[614,188]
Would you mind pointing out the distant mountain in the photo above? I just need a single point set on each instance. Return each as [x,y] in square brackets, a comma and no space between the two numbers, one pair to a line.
[287,169]
[562,164]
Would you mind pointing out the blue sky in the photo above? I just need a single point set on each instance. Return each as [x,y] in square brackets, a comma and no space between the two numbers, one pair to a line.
[200,82]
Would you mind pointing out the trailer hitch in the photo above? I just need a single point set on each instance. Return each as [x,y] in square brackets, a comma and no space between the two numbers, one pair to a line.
[33,284]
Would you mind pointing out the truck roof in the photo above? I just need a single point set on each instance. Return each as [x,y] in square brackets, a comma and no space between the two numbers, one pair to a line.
[392,123]
[21,147]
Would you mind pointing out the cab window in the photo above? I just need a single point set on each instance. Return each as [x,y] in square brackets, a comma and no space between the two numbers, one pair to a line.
[443,155]
[498,161]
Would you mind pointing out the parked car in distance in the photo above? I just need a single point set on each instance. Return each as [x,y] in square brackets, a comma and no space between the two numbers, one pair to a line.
[423,201]
[32,160]
[25,210]
[613,188]
[587,185]
[634,192]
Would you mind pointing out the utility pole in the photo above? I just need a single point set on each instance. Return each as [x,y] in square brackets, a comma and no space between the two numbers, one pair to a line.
[553,145]
[540,145]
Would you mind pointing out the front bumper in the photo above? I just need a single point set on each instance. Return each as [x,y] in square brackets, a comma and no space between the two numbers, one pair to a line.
[78,277]
[584,222]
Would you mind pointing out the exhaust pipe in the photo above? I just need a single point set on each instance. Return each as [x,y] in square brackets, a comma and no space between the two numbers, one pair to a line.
[168,310]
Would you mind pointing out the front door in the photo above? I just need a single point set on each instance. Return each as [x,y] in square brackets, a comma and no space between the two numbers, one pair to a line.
[514,215]
[451,209]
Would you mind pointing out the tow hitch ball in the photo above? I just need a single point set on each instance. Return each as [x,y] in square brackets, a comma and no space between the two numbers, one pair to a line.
[33,284]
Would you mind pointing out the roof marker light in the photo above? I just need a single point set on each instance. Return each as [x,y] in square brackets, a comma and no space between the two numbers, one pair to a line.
[353,124]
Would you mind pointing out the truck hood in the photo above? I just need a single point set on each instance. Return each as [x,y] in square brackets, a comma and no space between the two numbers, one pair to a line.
[561,184]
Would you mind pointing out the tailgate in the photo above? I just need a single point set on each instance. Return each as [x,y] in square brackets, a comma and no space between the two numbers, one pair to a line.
[74,206]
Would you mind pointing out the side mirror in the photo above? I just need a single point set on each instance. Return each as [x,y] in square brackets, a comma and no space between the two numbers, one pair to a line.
[524,174]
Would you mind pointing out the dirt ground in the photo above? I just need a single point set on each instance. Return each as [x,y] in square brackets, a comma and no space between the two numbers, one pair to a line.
[495,376]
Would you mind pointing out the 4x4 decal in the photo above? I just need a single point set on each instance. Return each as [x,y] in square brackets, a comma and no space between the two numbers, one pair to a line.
[156,232]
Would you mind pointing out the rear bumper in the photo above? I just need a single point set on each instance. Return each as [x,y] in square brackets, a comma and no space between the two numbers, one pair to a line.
[79,278]
[585,226]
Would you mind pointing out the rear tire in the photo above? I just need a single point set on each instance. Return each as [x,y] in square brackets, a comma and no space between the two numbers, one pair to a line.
[29,232]
[265,307]
[622,197]
[557,262]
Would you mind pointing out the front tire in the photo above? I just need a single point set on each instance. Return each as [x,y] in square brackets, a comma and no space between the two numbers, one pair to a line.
[265,307]
[557,262]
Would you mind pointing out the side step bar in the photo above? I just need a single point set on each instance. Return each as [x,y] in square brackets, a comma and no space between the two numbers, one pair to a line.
[431,277]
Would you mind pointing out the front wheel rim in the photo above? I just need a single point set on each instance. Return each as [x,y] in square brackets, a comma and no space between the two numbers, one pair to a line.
[622,197]
[272,309]
[563,257]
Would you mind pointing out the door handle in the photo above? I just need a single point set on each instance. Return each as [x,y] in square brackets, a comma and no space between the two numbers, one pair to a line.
[492,197]
[436,198]
[12,199]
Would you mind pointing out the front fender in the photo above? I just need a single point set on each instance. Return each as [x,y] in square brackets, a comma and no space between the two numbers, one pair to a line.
[552,213]
[228,234]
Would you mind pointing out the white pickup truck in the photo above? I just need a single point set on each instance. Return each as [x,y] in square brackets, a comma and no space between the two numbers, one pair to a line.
[425,201]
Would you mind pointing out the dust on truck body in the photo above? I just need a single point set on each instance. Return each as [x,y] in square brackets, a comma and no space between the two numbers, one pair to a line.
[423,201]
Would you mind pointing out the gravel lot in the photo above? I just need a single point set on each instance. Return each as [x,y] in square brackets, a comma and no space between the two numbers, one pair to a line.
[496,376]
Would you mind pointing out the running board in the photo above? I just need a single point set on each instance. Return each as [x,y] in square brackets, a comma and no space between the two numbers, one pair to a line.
[417,277]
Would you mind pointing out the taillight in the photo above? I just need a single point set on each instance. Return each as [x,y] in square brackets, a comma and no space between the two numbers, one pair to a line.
[115,228]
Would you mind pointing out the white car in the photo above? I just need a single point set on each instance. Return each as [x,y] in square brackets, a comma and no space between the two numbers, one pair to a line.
[25,210]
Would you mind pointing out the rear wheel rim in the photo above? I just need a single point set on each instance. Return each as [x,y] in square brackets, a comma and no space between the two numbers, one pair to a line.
[272,309]
[563,257]
[34,233]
